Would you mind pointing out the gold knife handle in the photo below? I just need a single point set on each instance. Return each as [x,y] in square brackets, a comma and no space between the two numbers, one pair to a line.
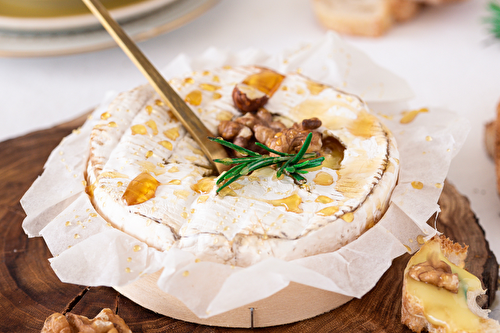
[179,108]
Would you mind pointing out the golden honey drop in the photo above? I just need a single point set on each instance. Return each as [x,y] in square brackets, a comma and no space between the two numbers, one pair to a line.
[140,189]
[420,240]
[137,248]
[348,217]
[105,115]
[152,124]
[315,88]
[323,178]
[139,129]
[149,154]
[172,133]
[112,124]
[323,199]
[409,116]
[174,182]
[149,109]
[204,185]
[328,211]
[267,81]
[194,98]
[166,144]
[417,185]
[202,198]
[209,87]
[290,203]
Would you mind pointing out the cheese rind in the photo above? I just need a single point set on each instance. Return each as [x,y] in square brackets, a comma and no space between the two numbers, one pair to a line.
[259,216]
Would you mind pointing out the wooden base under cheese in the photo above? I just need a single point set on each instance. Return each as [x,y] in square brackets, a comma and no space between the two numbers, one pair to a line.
[293,303]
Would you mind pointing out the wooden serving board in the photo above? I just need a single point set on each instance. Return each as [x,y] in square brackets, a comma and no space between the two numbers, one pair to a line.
[30,291]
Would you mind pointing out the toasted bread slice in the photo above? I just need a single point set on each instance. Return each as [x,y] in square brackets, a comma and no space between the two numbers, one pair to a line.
[404,10]
[492,143]
[432,302]
[361,17]
[489,138]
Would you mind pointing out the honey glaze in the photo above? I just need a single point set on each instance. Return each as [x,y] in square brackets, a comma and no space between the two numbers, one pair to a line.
[409,116]
[140,189]
[290,203]
[323,178]
[204,185]
[328,211]
[266,81]
[440,306]
[194,97]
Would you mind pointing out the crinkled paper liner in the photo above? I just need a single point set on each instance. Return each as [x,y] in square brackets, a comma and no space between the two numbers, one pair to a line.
[88,251]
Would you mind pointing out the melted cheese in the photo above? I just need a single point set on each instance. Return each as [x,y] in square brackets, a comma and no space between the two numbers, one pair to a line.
[442,307]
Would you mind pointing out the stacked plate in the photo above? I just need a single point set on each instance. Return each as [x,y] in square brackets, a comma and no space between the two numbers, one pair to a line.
[56,27]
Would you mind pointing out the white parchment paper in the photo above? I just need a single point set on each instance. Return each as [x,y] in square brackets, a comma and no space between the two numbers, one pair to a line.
[88,251]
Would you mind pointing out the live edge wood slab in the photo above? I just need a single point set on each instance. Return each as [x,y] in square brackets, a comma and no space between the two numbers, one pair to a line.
[30,291]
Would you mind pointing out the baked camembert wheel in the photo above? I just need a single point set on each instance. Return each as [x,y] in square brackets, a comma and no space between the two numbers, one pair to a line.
[149,178]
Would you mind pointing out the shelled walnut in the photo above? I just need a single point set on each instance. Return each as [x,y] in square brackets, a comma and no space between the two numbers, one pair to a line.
[435,272]
[261,126]
[290,140]
[105,322]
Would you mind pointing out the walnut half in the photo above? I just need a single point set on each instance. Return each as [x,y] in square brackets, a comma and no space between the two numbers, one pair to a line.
[435,272]
[105,322]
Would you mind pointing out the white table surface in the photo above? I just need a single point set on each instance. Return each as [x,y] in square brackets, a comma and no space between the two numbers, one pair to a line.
[445,54]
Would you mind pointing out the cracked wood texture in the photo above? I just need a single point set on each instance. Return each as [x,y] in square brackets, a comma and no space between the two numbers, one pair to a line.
[30,291]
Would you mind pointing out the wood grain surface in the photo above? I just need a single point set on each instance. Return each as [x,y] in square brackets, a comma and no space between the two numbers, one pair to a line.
[30,291]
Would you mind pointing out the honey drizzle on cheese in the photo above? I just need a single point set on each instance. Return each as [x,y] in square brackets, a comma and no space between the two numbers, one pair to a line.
[266,81]
[290,203]
[140,189]
[442,307]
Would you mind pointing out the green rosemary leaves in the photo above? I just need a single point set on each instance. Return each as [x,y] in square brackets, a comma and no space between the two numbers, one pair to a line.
[288,164]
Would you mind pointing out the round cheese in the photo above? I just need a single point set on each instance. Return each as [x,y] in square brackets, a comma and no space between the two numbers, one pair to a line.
[150,179]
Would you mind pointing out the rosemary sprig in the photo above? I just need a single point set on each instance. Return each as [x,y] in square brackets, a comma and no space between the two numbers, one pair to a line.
[494,19]
[288,164]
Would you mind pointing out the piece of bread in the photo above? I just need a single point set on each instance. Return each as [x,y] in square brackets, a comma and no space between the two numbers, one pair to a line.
[492,143]
[489,138]
[426,303]
[404,10]
[370,18]
[362,17]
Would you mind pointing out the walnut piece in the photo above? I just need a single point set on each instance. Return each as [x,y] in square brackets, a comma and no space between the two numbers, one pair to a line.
[435,272]
[290,140]
[247,98]
[105,322]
